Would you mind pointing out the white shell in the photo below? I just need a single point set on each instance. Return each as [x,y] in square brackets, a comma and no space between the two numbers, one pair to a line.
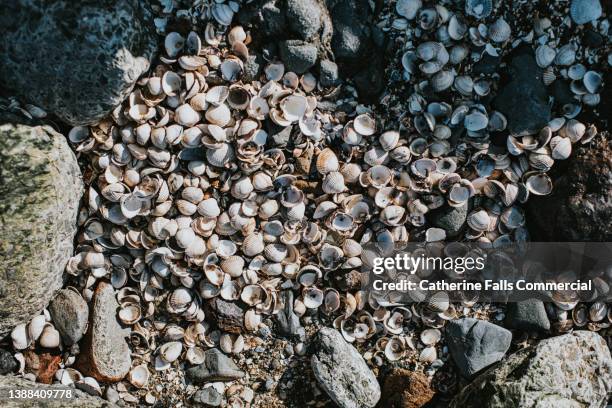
[139,376]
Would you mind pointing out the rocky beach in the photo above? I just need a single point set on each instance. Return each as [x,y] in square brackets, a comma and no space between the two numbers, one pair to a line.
[192,193]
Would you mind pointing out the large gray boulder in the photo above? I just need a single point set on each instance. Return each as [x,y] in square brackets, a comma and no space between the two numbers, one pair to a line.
[79,398]
[78,60]
[40,189]
[342,372]
[573,370]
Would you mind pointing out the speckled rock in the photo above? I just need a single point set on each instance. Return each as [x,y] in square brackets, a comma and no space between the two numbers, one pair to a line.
[406,389]
[70,315]
[8,364]
[328,73]
[216,367]
[476,344]
[451,219]
[77,60]
[298,56]
[573,370]
[304,17]
[227,315]
[342,372]
[105,353]
[528,315]
[80,399]
[40,189]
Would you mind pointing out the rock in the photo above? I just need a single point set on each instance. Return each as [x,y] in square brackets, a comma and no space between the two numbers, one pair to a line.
[476,344]
[342,372]
[227,315]
[406,389]
[79,399]
[8,364]
[351,38]
[252,67]
[77,60]
[524,99]
[265,16]
[328,73]
[288,321]
[40,189]
[208,397]
[216,367]
[43,365]
[370,80]
[298,56]
[105,353]
[70,315]
[573,370]
[528,315]
[450,219]
[581,198]
[585,11]
[304,17]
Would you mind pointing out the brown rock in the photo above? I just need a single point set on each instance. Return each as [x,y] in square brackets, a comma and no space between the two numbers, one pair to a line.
[227,315]
[105,355]
[43,366]
[405,389]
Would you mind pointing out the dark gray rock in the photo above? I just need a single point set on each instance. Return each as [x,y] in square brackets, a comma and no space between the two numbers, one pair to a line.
[524,99]
[476,344]
[328,73]
[70,315]
[304,17]
[298,56]
[105,353]
[265,15]
[288,321]
[351,38]
[450,219]
[528,315]
[574,370]
[40,189]
[227,315]
[342,372]
[8,364]
[369,81]
[78,60]
[208,397]
[216,367]
[252,67]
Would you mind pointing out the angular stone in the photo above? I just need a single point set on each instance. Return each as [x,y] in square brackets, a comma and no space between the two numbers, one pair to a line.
[528,315]
[216,367]
[40,189]
[227,315]
[288,321]
[476,344]
[80,399]
[298,56]
[78,60]
[573,370]
[70,315]
[105,353]
[524,99]
[342,372]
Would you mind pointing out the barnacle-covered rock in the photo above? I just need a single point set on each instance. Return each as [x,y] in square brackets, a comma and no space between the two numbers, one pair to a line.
[40,189]
[77,61]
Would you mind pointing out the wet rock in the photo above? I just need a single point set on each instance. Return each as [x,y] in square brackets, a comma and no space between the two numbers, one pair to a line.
[328,73]
[77,60]
[288,321]
[476,344]
[298,56]
[528,315]
[216,367]
[342,372]
[105,353]
[208,397]
[227,315]
[582,198]
[524,99]
[40,189]
[450,219]
[70,315]
[80,399]
[8,364]
[304,17]
[406,389]
[573,370]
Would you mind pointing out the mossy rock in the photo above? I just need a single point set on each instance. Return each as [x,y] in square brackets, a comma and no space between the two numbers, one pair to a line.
[40,189]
